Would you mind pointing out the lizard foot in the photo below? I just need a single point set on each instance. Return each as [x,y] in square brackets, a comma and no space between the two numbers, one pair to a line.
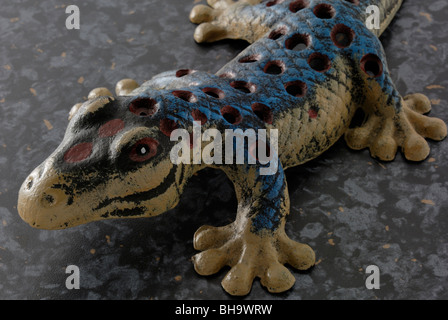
[219,20]
[383,133]
[123,87]
[250,255]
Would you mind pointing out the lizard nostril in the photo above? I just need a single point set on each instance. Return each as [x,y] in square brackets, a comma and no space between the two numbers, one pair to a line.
[29,183]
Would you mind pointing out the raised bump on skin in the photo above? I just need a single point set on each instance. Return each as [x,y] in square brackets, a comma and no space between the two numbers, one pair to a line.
[125,87]
[99,92]
[74,110]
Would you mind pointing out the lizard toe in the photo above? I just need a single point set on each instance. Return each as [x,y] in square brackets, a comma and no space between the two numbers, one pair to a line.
[415,148]
[209,32]
[298,255]
[209,262]
[238,281]
[207,237]
[277,278]
[418,102]
[427,127]
[201,13]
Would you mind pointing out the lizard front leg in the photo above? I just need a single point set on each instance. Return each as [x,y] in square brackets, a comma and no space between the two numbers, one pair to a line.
[255,245]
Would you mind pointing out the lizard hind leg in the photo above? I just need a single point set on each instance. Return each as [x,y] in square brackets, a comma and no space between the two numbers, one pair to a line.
[405,126]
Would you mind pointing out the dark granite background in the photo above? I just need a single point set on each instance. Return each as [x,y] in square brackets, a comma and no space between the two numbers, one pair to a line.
[353,210]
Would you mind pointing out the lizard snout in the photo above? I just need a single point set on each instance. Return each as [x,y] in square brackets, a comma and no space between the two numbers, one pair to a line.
[40,199]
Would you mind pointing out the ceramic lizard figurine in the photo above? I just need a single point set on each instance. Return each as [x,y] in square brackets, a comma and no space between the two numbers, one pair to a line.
[310,66]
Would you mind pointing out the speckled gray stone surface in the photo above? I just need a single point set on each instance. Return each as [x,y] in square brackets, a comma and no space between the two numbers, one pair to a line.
[353,210]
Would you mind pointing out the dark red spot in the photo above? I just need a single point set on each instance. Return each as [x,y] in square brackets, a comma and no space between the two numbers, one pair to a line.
[214,92]
[199,116]
[342,35]
[167,126]
[372,65]
[183,72]
[78,152]
[111,128]
[250,59]
[273,3]
[298,5]
[277,33]
[324,11]
[274,67]
[243,86]
[296,88]
[185,95]
[143,107]
[319,62]
[143,149]
[312,113]
[263,112]
[231,115]
[298,42]
[355,2]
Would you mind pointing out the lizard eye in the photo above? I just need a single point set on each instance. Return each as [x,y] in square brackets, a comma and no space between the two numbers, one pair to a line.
[143,150]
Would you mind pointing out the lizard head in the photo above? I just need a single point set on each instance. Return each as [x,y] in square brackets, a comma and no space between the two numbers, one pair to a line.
[113,162]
